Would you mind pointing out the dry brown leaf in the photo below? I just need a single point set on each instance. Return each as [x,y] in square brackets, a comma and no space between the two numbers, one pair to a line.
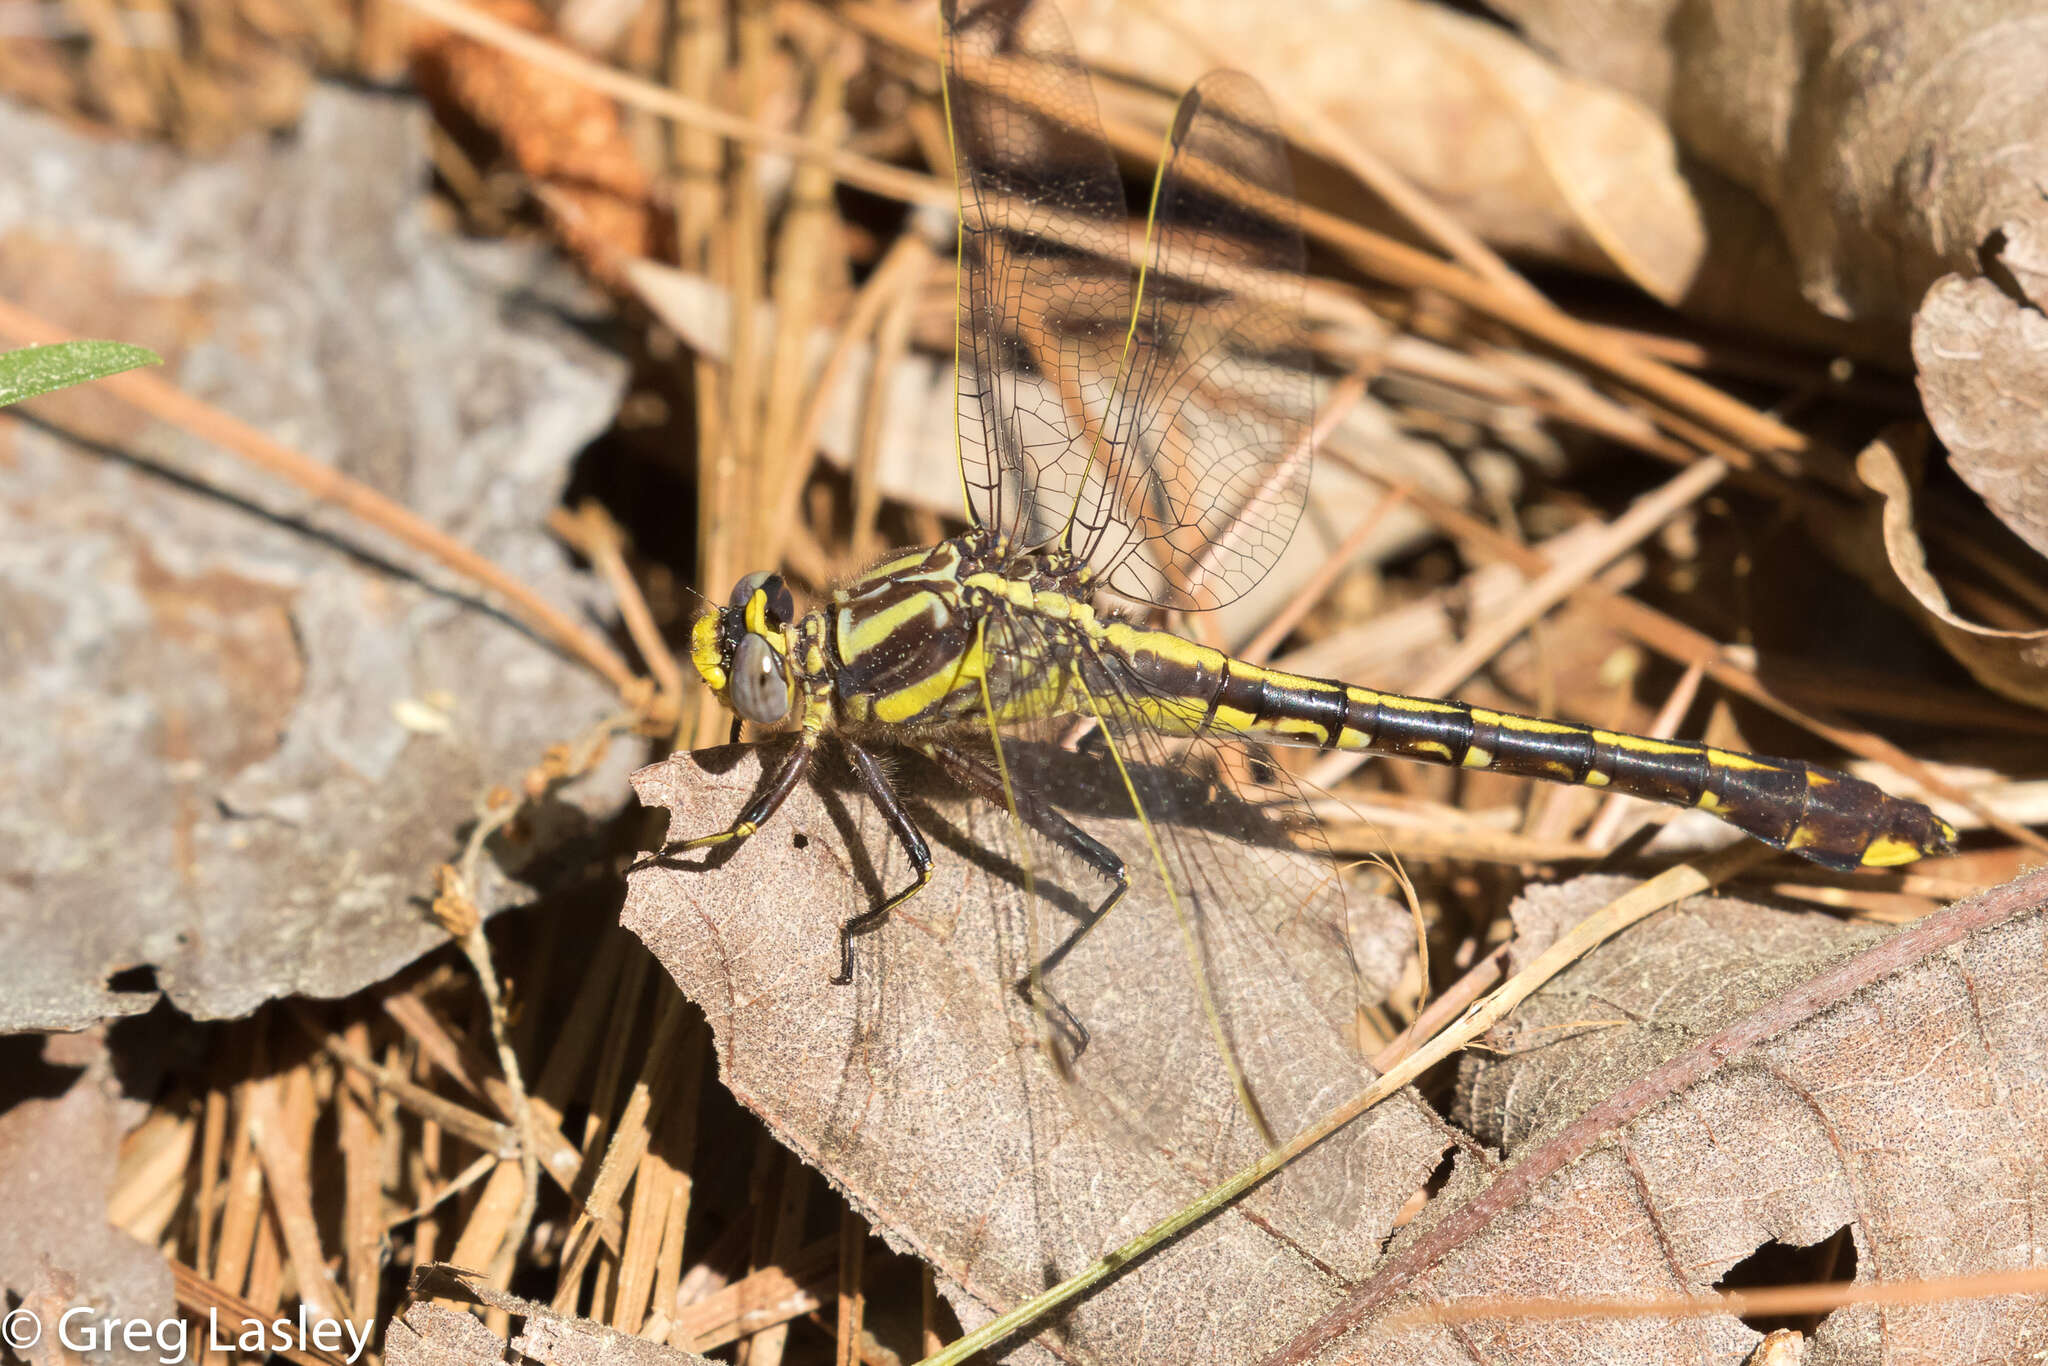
[60,1144]
[432,1334]
[921,1090]
[1982,355]
[2014,663]
[1891,138]
[1533,158]
[241,737]
[1718,1042]
[1726,1074]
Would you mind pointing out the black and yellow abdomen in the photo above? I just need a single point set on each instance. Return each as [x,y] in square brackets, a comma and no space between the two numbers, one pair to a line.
[1831,818]
[944,635]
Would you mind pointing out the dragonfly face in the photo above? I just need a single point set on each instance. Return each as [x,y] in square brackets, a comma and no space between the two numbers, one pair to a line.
[744,650]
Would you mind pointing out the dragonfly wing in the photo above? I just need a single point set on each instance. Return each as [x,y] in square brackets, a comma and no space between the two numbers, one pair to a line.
[1212,453]
[1240,1033]
[1044,261]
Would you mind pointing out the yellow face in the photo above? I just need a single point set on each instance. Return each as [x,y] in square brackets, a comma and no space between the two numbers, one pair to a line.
[742,650]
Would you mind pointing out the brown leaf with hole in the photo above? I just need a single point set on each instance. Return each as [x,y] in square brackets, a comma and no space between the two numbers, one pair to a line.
[1891,138]
[1982,355]
[2014,663]
[1727,1075]
[922,1091]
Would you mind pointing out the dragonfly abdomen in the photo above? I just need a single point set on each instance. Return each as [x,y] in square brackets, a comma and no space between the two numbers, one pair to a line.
[1831,818]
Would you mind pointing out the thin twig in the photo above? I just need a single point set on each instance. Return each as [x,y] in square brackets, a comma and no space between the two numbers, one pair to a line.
[466,1124]
[202,1298]
[591,530]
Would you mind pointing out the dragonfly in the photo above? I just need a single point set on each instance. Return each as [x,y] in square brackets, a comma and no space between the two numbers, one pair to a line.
[1133,431]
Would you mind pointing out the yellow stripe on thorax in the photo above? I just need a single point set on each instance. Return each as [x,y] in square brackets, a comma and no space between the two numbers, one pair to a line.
[858,636]
[915,698]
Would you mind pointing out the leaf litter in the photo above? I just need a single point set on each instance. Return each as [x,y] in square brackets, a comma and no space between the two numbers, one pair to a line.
[225,800]
[922,1090]
[1910,1105]
[612,1125]
[1911,1114]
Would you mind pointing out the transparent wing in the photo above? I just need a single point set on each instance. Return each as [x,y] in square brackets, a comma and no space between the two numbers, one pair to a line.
[1239,1036]
[1212,451]
[1158,425]
[1044,261]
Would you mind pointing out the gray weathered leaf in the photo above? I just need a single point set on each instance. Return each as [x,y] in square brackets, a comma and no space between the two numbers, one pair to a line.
[239,734]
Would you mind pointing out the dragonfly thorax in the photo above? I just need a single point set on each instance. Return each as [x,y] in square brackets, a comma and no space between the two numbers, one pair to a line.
[928,636]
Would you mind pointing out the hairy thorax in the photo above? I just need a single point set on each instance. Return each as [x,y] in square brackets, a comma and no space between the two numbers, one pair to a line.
[940,635]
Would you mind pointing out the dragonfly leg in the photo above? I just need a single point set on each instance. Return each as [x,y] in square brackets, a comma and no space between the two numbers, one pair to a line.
[986,783]
[788,773]
[891,807]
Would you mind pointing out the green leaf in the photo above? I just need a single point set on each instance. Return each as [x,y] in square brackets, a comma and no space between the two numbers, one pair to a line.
[38,369]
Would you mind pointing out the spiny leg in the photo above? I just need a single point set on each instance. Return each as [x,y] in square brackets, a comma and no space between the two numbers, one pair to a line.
[891,807]
[788,773]
[987,784]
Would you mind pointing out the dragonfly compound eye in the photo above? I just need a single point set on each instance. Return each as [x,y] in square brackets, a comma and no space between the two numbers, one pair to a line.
[758,690]
[744,589]
[779,606]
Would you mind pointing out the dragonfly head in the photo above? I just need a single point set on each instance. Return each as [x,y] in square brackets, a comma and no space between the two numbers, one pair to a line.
[742,649]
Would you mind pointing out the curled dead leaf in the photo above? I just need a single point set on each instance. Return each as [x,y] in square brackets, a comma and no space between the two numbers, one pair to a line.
[1891,138]
[1535,159]
[2014,663]
[1982,357]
